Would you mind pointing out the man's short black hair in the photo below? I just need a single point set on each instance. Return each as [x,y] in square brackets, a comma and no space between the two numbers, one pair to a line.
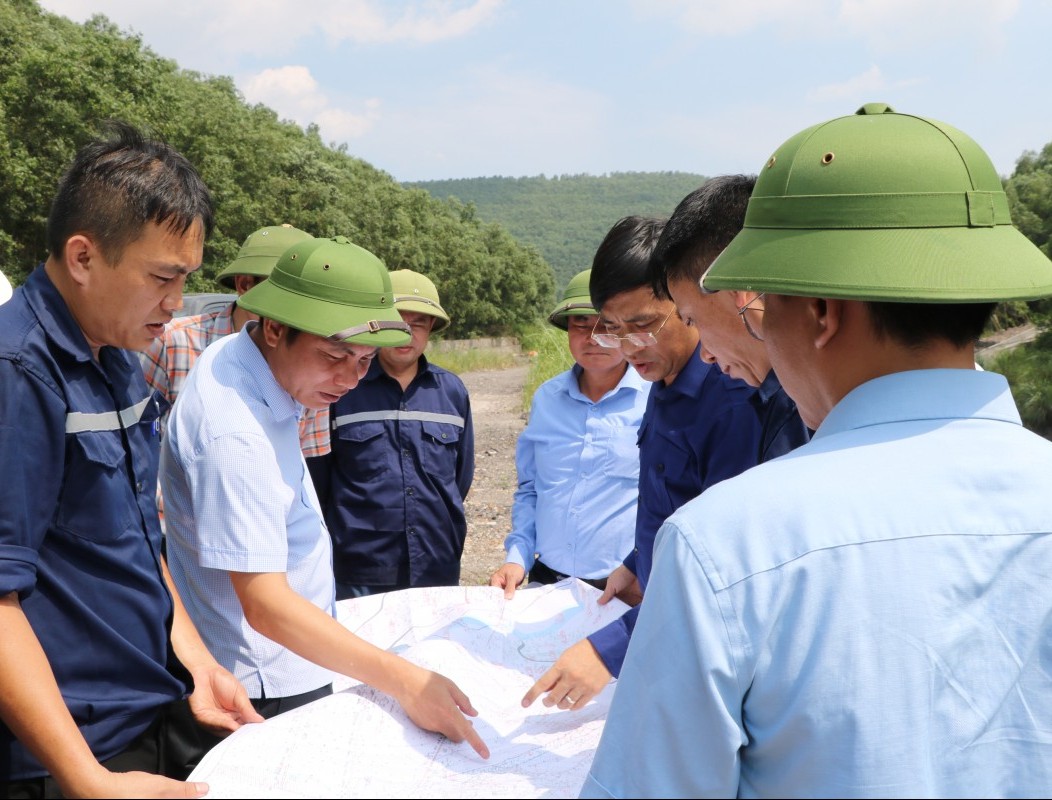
[701,226]
[917,324]
[119,183]
[622,261]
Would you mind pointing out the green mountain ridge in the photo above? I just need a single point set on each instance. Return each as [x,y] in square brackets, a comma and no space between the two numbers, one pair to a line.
[565,217]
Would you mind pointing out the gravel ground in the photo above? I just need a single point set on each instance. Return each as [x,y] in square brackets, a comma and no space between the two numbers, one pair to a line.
[496,411]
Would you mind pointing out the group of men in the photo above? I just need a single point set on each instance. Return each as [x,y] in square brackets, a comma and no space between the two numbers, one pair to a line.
[107,657]
[832,529]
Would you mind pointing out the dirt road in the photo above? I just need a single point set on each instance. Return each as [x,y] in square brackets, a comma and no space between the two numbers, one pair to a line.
[496,411]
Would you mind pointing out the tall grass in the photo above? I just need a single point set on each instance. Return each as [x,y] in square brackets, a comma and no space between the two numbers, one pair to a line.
[549,355]
[474,360]
[1028,369]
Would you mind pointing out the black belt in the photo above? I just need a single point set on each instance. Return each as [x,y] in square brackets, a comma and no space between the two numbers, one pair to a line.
[542,573]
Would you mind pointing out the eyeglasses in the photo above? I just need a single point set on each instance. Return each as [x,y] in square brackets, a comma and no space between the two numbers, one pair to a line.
[645,339]
[755,333]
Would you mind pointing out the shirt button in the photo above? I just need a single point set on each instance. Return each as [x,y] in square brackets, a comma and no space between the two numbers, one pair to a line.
[660,467]
[409,491]
[410,531]
[138,487]
[405,451]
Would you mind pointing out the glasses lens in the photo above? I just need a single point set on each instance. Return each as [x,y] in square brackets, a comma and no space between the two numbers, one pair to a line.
[642,339]
[606,340]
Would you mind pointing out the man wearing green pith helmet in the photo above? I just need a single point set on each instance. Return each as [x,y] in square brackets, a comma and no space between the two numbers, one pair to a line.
[866,615]
[403,459]
[246,537]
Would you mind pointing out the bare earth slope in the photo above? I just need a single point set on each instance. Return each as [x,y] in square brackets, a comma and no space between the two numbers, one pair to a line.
[496,411]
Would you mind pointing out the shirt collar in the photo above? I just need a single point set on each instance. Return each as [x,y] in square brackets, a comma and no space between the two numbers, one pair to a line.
[769,388]
[376,370]
[54,315]
[691,378]
[630,381]
[257,370]
[932,394]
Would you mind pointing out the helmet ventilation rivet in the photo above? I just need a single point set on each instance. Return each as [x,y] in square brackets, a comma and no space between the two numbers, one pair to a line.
[770,162]
[828,158]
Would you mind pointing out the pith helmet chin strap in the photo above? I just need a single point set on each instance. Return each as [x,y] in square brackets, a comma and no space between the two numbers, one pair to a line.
[372,326]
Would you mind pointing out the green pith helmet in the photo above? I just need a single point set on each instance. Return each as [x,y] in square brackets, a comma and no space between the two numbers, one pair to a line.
[260,252]
[416,292]
[576,301]
[331,288]
[882,206]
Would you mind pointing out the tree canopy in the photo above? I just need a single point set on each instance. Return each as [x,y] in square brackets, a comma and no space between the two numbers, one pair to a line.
[60,81]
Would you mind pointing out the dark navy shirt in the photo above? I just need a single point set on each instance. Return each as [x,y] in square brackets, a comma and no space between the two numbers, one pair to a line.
[80,540]
[783,430]
[697,431]
[401,465]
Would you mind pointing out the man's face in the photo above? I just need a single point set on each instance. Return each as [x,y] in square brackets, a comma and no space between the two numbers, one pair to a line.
[127,304]
[724,339]
[590,356]
[406,356]
[639,311]
[314,370]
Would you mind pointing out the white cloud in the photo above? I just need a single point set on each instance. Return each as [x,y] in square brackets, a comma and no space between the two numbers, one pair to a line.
[734,17]
[294,94]
[869,84]
[429,21]
[884,25]
[207,35]
[891,25]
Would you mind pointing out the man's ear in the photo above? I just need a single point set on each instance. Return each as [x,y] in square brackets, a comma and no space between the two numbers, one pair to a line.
[273,332]
[80,256]
[828,314]
[741,298]
[242,283]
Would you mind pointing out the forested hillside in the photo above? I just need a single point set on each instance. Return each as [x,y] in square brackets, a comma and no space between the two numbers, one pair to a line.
[59,81]
[566,217]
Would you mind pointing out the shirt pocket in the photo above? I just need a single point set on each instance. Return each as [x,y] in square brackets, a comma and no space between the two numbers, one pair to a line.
[674,474]
[362,449]
[97,503]
[621,459]
[439,448]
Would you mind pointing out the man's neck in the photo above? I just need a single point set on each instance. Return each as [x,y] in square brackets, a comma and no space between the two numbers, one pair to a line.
[594,385]
[404,375]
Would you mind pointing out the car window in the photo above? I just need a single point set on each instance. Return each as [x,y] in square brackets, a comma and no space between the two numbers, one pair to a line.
[203,302]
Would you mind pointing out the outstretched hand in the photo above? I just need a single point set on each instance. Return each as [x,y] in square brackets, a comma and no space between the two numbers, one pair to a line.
[435,703]
[508,578]
[220,703]
[577,676]
[624,585]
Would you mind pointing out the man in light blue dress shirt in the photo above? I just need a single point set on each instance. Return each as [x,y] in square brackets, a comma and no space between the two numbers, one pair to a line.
[574,512]
[868,615]
[246,538]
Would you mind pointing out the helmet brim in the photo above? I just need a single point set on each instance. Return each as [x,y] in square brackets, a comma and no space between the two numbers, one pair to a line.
[323,317]
[924,265]
[421,307]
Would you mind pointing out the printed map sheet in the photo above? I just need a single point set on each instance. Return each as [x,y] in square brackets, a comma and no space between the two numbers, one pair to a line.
[359,743]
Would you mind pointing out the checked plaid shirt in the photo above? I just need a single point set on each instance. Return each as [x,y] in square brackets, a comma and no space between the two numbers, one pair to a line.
[169,359]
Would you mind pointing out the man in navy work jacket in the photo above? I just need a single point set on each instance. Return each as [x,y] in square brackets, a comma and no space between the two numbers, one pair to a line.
[96,650]
[403,457]
[701,226]
[699,427]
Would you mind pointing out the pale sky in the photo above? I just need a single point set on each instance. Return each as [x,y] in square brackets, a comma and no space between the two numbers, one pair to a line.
[469,88]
